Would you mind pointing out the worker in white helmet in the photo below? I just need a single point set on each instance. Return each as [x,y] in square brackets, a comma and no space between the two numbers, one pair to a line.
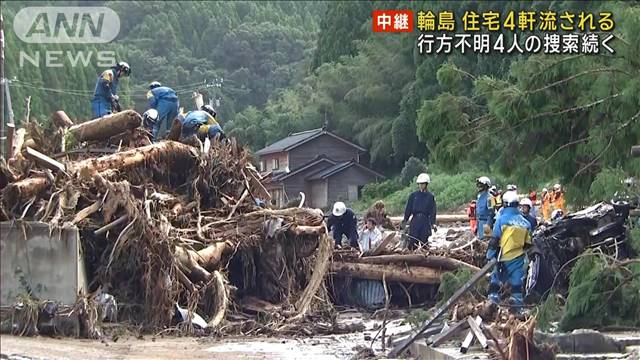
[343,221]
[484,211]
[557,197]
[421,207]
[525,206]
[511,236]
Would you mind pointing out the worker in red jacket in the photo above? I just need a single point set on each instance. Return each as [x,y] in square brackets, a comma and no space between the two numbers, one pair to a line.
[471,213]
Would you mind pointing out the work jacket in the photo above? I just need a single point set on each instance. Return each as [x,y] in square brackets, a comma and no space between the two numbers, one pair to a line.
[514,231]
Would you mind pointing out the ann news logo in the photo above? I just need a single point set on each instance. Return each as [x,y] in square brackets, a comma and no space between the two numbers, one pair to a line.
[392,20]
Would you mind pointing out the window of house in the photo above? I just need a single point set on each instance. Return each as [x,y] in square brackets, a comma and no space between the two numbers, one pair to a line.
[276,164]
[262,165]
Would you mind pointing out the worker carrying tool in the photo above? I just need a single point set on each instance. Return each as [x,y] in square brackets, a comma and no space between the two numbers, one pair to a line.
[484,210]
[165,100]
[343,221]
[557,202]
[511,236]
[421,207]
[201,123]
[105,99]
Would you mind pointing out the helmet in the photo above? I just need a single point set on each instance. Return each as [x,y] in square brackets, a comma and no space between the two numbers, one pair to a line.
[544,190]
[510,199]
[484,180]
[423,179]
[150,117]
[124,67]
[557,187]
[209,109]
[339,208]
[154,84]
[557,214]
[526,201]
[511,187]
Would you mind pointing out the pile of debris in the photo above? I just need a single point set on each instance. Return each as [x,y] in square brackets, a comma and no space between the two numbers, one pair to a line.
[170,230]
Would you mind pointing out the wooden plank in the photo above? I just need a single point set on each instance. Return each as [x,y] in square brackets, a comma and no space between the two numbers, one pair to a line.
[11,130]
[398,350]
[447,334]
[256,186]
[477,331]
[84,213]
[383,245]
[43,160]
[467,342]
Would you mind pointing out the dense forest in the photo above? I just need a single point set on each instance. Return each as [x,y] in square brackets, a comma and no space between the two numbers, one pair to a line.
[289,66]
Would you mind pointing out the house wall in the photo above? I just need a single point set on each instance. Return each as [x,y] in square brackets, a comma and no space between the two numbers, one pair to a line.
[295,184]
[338,184]
[318,198]
[322,145]
[268,159]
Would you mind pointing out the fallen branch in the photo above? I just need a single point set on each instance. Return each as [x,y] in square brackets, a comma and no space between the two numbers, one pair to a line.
[325,249]
[119,221]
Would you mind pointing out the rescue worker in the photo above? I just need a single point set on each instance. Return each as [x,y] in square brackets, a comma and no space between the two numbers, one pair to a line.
[379,213]
[343,221]
[421,207]
[484,212]
[473,221]
[496,198]
[558,199]
[546,204]
[370,237]
[557,214]
[534,202]
[150,118]
[105,99]
[526,205]
[165,100]
[511,236]
[201,123]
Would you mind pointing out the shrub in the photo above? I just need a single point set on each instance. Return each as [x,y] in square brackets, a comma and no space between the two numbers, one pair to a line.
[606,184]
[379,190]
[412,167]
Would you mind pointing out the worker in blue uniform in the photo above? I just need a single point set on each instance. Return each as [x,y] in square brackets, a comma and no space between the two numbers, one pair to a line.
[526,205]
[165,100]
[484,210]
[510,238]
[421,207]
[343,221]
[201,123]
[105,99]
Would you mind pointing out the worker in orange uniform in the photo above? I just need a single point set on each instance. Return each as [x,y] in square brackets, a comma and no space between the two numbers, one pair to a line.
[558,199]
[471,213]
[545,196]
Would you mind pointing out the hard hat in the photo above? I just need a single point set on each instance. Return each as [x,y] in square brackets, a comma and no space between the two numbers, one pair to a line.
[154,84]
[526,201]
[545,190]
[484,180]
[510,199]
[126,69]
[423,179]
[511,187]
[339,208]
[150,117]
[557,187]
[209,109]
[557,214]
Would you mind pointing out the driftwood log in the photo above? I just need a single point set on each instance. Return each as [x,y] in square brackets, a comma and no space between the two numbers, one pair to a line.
[106,126]
[439,262]
[61,119]
[409,273]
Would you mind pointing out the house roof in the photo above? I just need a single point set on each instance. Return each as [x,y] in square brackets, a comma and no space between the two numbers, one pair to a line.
[296,139]
[317,160]
[338,168]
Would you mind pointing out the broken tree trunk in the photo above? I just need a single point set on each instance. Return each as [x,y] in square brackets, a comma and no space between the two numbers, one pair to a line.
[188,260]
[106,126]
[301,230]
[419,260]
[61,119]
[325,249]
[410,274]
[24,189]
[11,131]
[167,152]
[18,143]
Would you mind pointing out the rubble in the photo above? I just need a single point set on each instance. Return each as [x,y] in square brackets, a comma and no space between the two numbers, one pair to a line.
[166,226]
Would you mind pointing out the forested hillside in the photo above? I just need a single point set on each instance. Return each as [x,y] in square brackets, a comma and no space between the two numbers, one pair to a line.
[291,66]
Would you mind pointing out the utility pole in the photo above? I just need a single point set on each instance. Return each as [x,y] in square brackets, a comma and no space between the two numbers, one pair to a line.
[2,86]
